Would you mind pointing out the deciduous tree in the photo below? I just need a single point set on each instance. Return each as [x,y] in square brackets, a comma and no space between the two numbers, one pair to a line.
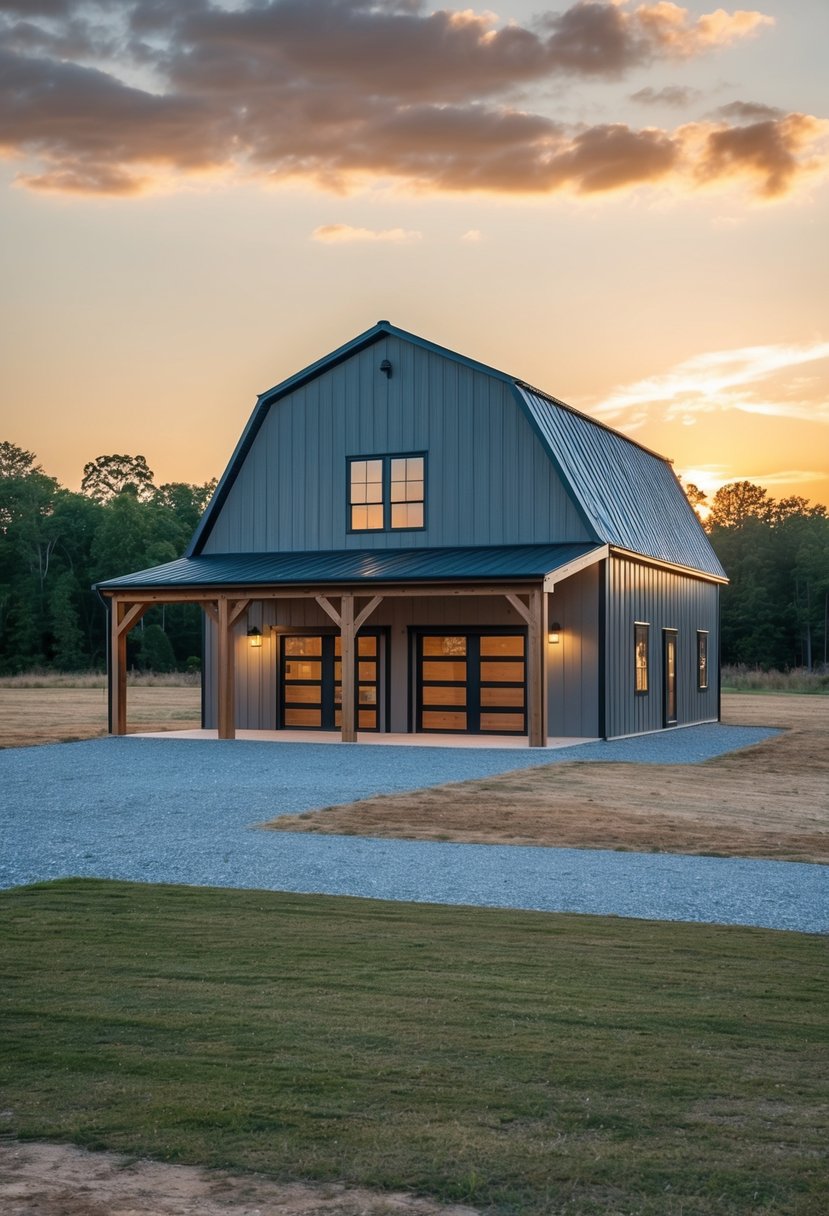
[106,477]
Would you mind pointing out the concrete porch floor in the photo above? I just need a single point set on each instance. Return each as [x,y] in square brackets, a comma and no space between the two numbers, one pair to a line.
[399,740]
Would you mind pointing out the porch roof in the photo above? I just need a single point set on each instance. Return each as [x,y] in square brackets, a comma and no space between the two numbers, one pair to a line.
[509,562]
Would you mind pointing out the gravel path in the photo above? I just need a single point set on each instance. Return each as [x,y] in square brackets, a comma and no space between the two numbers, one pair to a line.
[184,811]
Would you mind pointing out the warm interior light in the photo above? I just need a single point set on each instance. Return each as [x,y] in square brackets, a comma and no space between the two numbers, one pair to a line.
[255,636]
[554,636]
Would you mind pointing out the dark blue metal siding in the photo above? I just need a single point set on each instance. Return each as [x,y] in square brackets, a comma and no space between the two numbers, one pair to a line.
[573,663]
[349,566]
[631,496]
[662,599]
[490,479]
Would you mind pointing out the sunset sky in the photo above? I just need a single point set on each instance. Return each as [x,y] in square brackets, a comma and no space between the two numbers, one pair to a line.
[623,203]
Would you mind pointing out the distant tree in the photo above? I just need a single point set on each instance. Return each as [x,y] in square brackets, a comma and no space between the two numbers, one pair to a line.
[17,462]
[108,476]
[736,502]
[796,507]
[696,497]
[27,545]
[68,650]
[54,544]
[775,610]
[186,501]
[155,652]
[133,535]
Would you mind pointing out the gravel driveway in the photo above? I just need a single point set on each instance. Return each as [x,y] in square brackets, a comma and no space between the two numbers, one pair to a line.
[184,811]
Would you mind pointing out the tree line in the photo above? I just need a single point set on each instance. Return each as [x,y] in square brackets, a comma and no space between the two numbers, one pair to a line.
[55,543]
[775,610]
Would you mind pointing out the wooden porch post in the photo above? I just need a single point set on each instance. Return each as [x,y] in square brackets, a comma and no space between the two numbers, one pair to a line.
[122,619]
[545,668]
[227,676]
[536,690]
[349,626]
[118,671]
[349,730]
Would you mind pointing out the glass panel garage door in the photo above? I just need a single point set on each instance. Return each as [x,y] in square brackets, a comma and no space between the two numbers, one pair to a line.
[472,682]
[311,682]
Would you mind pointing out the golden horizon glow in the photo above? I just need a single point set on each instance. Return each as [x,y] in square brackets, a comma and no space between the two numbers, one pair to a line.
[621,201]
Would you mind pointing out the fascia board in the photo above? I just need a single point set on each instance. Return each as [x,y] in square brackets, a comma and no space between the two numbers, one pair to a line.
[706,577]
[580,563]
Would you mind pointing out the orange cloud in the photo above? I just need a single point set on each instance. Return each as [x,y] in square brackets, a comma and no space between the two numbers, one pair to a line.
[770,151]
[341,234]
[668,27]
[763,380]
[339,91]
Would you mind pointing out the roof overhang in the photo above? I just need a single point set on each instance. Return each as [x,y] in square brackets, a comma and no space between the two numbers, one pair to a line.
[567,569]
[355,569]
[615,551]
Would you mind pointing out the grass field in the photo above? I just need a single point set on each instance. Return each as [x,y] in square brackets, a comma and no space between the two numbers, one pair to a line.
[520,1062]
[49,708]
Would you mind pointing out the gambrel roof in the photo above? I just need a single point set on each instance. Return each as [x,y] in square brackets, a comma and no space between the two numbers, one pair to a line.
[628,497]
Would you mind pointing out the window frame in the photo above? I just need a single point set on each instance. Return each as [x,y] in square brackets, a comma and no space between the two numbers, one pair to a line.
[637,626]
[703,653]
[386,459]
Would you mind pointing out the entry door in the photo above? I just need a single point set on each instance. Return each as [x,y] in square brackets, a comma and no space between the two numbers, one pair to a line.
[472,682]
[310,682]
[669,677]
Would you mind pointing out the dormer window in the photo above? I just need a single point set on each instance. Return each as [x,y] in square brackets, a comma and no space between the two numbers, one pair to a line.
[386,493]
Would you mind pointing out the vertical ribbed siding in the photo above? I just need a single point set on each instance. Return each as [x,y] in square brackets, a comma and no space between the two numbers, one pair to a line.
[489,478]
[573,663]
[663,599]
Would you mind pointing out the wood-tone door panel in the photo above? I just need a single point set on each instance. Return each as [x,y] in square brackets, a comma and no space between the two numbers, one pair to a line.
[473,682]
[311,682]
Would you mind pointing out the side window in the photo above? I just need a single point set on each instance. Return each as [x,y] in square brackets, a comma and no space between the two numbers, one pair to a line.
[641,641]
[702,659]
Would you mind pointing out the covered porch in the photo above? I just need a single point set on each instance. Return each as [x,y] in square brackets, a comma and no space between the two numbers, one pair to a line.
[247,599]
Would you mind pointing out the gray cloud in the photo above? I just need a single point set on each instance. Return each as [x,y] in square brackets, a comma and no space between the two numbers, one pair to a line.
[673,95]
[331,90]
[748,111]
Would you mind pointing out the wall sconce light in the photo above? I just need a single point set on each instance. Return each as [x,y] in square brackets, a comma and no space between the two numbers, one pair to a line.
[255,636]
[385,368]
[554,636]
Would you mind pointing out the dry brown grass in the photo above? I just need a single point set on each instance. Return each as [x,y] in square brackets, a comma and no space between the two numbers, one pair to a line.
[60,714]
[43,678]
[771,800]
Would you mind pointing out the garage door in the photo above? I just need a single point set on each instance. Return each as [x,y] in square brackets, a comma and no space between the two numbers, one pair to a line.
[471,682]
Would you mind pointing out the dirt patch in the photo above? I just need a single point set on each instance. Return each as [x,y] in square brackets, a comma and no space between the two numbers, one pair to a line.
[58,1180]
[771,800]
[61,715]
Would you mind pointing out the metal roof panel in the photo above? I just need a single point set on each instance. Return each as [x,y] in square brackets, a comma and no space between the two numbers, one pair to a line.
[499,562]
[631,497]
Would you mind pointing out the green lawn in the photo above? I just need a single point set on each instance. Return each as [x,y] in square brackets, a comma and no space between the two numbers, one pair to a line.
[521,1062]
